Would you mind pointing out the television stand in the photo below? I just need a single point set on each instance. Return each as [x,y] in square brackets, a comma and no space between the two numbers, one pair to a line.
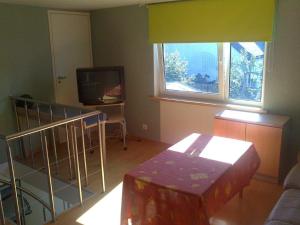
[115,115]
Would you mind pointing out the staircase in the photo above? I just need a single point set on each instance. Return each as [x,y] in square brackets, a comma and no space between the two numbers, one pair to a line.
[45,173]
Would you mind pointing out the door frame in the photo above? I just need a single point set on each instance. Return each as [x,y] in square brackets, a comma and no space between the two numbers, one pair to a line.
[51,12]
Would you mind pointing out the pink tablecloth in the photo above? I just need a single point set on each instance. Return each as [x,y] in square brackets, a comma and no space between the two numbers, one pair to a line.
[188,182]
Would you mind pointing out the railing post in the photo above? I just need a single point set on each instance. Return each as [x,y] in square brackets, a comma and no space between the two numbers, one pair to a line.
[83,152]
[89,137]
[41,133]
[103,132]
[73,148]
[2,217]
[29,138]
[51,197]
[53,140]
[124,131]
[68,145]
[77,166]
[22,214]
[21,143]
[13,183]
[101,148]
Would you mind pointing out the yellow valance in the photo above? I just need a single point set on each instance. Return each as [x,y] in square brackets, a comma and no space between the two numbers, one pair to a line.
[211,21]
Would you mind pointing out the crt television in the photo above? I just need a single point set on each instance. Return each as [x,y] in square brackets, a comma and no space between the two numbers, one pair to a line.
[101,85]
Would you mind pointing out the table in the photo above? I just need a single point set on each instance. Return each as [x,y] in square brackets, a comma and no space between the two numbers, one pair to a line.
[187,183]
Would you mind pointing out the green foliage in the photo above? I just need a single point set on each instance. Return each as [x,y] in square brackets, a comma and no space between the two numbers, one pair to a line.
[246,77]
[199,78]
[204,83]
[175,67]
[176,71]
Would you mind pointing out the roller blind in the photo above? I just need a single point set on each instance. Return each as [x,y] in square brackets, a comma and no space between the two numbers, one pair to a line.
[211,21]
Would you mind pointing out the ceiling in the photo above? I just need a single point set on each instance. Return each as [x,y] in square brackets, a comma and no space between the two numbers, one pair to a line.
[81,4]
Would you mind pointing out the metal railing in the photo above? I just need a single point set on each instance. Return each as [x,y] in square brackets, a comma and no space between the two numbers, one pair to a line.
[70,125]
[21,189]
[2,217]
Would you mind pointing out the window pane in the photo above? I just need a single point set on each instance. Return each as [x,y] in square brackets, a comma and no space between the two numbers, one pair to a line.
[246,70]
[191,67]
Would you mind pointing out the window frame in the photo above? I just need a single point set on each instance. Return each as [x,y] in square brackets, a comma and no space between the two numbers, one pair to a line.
[239,101]
[223,73]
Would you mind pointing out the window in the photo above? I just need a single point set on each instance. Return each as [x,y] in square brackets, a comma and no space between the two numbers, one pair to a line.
[231,72]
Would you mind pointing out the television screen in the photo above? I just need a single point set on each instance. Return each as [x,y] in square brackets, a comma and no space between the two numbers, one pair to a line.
[100,85]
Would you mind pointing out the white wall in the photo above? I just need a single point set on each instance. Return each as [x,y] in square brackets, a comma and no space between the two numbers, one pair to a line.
[178,120]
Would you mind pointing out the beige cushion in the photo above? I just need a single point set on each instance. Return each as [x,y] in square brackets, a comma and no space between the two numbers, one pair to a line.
[287,209]
[292,180]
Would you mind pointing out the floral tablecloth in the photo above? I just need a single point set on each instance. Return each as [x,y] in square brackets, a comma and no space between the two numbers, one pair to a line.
[189,182]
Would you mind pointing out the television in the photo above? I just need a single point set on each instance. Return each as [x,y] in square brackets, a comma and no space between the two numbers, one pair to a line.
[101,85]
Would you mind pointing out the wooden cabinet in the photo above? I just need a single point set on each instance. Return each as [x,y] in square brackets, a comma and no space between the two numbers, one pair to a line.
[267,141]
[230,129]
[266,132]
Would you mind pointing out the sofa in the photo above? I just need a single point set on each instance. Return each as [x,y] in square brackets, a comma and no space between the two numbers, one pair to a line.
[287,209]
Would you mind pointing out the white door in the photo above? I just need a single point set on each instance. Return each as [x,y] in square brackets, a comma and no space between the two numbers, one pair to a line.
[70,37]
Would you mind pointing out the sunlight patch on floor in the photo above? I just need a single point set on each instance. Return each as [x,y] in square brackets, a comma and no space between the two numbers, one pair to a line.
[107,210]
[216,221]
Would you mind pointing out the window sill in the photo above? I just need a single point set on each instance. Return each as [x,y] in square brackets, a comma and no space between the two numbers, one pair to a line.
[210,104]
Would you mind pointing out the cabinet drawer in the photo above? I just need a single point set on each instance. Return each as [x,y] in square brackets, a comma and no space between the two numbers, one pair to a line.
[267,141]
[230,129]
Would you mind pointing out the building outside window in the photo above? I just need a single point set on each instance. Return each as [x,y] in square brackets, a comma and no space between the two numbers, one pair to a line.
[230,72]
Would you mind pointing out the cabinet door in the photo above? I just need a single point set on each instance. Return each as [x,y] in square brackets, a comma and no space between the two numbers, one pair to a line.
[230,129]
[267,141]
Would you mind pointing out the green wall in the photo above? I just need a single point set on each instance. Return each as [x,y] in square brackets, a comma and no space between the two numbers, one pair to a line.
[282,94]
[25,57]
[119,37]
[25,60]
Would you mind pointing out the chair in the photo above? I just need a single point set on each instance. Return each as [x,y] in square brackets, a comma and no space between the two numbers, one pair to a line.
[113,117]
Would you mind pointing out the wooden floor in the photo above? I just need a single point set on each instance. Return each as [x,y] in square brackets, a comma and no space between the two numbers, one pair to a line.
[253,209]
